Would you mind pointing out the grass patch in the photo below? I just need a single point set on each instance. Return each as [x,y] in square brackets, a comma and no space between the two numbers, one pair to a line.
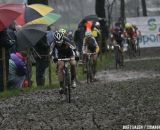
[102,63]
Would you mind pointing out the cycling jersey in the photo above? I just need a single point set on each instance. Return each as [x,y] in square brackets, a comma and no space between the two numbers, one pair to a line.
[64,51]
[129,32]
[90,44]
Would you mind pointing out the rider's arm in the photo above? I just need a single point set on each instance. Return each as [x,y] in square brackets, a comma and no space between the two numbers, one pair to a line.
[68,43]
[96,44]
[84,47]
[97,49]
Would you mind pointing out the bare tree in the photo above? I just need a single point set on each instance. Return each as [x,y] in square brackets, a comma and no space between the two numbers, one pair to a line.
[144,8]
[109,5]
[122,12]
[100,10]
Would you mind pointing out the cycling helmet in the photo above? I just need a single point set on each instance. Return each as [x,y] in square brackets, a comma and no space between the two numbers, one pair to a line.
[128,25]
[62,30]
[58,38]
[97,24]
[88,34]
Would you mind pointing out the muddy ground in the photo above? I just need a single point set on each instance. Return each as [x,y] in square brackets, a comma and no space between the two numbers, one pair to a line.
[129,96]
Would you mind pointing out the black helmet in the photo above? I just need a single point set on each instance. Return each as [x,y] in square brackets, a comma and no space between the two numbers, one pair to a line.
[58,38]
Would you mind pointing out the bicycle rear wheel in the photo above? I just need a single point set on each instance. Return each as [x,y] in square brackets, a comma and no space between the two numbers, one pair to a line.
[91,70]
[130,49]
[88,71]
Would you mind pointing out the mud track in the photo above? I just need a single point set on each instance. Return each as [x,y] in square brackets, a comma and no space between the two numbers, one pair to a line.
[129,96]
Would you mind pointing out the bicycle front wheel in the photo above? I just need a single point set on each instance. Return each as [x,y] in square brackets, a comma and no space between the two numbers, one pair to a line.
[68,85]
[116,54]
[88,71]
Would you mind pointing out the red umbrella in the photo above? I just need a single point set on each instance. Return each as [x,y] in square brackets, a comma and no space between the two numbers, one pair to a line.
[8,13]
[20,20]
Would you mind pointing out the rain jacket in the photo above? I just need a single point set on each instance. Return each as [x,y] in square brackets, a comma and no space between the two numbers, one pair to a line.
[19,61]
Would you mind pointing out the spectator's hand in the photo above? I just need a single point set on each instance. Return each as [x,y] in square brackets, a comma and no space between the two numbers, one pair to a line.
[55,60]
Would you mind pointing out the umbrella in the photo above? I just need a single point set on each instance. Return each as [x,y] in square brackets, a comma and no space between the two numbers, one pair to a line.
[29,35]
[93,18]
[32,12]
[8,13]
[48,19]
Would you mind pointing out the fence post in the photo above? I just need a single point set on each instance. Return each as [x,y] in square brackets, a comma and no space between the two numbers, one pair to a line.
[49,70]
[4,68]
[29,67]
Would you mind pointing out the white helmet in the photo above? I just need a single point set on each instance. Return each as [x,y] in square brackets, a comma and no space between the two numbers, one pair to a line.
[58,38]
[97,24]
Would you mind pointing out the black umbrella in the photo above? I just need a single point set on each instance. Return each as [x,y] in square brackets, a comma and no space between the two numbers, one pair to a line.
[29,35]
[93,18]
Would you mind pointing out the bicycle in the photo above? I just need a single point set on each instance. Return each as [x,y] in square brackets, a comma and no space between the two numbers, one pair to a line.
[131,49]
[119,59]
[90,67]
[67,78]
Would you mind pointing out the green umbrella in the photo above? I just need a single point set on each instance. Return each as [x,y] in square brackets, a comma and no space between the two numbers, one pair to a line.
[48,19]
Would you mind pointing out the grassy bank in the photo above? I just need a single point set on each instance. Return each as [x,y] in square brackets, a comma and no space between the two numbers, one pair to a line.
[103,62]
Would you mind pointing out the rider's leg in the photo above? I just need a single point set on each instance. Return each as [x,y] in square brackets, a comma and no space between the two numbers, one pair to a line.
[133,44]
[60,73]
[73,72]
[94,64]
[122,53]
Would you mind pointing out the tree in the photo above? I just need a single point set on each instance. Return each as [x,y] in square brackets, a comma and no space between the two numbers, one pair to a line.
[100,9]
[144,8]
[100,12]
[122,12]
[109,5]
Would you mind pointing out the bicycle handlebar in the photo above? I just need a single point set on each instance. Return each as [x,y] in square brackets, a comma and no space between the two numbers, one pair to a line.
[66,59]
[91,53]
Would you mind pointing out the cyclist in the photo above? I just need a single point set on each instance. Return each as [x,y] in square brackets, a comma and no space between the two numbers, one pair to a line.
[62,48]
[90,45]
[117,36]
[129,31]
[137,32]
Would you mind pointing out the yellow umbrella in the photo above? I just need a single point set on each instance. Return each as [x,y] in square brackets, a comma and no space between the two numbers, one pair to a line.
[48,19]
[42,9]
[35,11]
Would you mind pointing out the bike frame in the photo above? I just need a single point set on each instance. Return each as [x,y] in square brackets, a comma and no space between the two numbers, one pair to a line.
[67,77]
[118,56]
[131,49]
[89,66]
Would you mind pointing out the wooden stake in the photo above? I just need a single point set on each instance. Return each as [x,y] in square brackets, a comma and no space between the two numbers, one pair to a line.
[49,69]
[4,68]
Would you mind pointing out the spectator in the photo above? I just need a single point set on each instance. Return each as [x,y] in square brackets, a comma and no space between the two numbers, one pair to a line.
[42,60]
[78,38]
[11,32]
[17,69]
